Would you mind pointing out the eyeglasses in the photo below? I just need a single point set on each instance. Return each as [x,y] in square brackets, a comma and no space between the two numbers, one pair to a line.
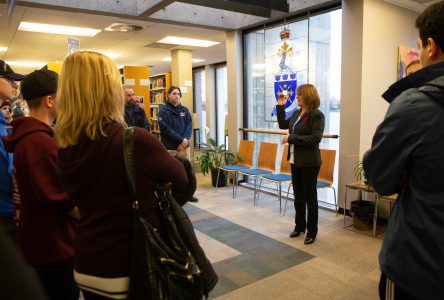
[9,80]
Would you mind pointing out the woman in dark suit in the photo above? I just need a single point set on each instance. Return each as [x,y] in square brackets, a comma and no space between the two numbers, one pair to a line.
[306,127]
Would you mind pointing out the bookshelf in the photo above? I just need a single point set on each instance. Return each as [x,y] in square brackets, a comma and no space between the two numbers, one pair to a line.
[136,77]
[159,85]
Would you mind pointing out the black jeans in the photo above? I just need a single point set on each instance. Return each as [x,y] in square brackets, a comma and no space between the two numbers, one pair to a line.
[8,224]
[398,293]
[305,195]
[57,280]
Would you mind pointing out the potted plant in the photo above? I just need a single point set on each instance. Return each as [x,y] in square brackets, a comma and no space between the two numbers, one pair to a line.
[212,158]
[362,210]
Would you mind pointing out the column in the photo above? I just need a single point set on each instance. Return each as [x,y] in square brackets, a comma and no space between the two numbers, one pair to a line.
[182,76]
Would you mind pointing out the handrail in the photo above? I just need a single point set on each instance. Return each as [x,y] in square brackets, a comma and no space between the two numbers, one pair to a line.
[282,132]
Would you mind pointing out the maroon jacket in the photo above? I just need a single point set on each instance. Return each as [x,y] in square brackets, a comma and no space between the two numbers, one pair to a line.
[45,232]
[93,174]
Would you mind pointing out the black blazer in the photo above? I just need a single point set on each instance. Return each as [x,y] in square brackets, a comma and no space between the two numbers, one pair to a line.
[305,136]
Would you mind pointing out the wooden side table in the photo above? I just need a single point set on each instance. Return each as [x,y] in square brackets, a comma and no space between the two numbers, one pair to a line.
[391,199]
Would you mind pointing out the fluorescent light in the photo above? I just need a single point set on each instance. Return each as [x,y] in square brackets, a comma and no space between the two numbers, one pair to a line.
[3,49]
[30,64]
[58,29]
[187,42]
[194,60]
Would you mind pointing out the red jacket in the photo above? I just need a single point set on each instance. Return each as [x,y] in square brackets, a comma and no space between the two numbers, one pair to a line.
[93,174]
[45,232]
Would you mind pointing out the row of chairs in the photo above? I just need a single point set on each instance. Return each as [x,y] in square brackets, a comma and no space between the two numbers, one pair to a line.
[265,169]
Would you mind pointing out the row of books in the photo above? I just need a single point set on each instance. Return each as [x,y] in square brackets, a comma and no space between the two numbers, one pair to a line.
[157,83]
[158,97]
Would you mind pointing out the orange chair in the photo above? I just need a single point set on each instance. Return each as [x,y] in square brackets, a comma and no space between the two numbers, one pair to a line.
[283,176]
[326,172]
[244,161]
[265,164]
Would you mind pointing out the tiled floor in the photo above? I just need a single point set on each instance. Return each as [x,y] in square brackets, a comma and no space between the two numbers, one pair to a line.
[250,249]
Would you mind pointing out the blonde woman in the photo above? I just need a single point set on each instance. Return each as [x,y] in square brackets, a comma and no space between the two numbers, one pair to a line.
[306,127]
[89,132]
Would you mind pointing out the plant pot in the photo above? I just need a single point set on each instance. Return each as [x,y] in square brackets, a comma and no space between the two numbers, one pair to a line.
[222,178]
[362,212]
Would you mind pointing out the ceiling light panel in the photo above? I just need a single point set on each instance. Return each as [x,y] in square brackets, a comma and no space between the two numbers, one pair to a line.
[175,40]
[3,49]
[194,60]
[58,29]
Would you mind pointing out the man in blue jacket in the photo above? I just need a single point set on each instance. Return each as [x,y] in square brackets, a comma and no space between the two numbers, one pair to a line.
[8,88]
[175,123]
[407,158]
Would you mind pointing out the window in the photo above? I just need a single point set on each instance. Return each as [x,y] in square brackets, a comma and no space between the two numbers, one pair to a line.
[221,104]
[199,106]
[312,55]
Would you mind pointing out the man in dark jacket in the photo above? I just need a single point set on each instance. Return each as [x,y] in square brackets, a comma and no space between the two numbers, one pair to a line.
[407,158]
[45,215]
[134,114]
[8,88]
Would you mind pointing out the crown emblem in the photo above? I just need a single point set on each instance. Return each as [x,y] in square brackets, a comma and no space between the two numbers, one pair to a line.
[285,33]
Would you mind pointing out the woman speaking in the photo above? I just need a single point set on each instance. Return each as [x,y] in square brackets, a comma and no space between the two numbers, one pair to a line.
[306,127]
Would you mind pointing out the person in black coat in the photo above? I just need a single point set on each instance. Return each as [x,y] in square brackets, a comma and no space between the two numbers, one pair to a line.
[134,114]
[306,127]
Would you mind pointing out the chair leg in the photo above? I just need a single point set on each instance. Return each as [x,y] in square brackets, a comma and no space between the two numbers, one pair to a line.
[286,199]
[217,180]
[259,191]
[336,203]
[234,183]
[255,187]
[279,197]
[237,184]
[375,215]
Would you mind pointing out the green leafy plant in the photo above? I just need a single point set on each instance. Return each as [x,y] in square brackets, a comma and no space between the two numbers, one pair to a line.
[359,171]
[215,156]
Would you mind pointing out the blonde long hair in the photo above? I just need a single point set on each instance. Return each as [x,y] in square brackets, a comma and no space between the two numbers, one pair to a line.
[89,95]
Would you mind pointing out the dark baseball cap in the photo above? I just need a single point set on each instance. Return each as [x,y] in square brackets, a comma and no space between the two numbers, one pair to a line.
[6,71]
[38,84]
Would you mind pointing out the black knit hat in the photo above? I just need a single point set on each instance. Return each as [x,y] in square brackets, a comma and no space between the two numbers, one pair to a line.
[6,71]
[38,84]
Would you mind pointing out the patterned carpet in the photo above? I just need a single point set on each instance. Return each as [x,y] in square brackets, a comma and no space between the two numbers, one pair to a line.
[260,255]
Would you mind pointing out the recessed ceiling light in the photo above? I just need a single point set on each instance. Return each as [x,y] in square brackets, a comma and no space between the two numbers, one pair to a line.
[58,29]
[187,42]
[194,60]
[3,49]
[30,64]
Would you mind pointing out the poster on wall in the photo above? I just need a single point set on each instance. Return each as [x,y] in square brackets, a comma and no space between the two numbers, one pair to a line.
[408,61]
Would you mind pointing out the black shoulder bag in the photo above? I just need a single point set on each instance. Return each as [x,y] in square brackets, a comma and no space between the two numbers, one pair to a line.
[162,268]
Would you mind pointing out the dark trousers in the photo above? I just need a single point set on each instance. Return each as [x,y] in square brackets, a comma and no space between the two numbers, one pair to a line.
[8,224]
[396,293]
[305,196]
[58,280]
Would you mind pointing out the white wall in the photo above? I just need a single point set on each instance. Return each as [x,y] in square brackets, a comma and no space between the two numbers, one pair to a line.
[372,30]
[386,26]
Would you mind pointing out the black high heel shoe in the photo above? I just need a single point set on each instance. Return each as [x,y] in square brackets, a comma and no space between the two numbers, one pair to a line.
[296,233]
[309,240]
